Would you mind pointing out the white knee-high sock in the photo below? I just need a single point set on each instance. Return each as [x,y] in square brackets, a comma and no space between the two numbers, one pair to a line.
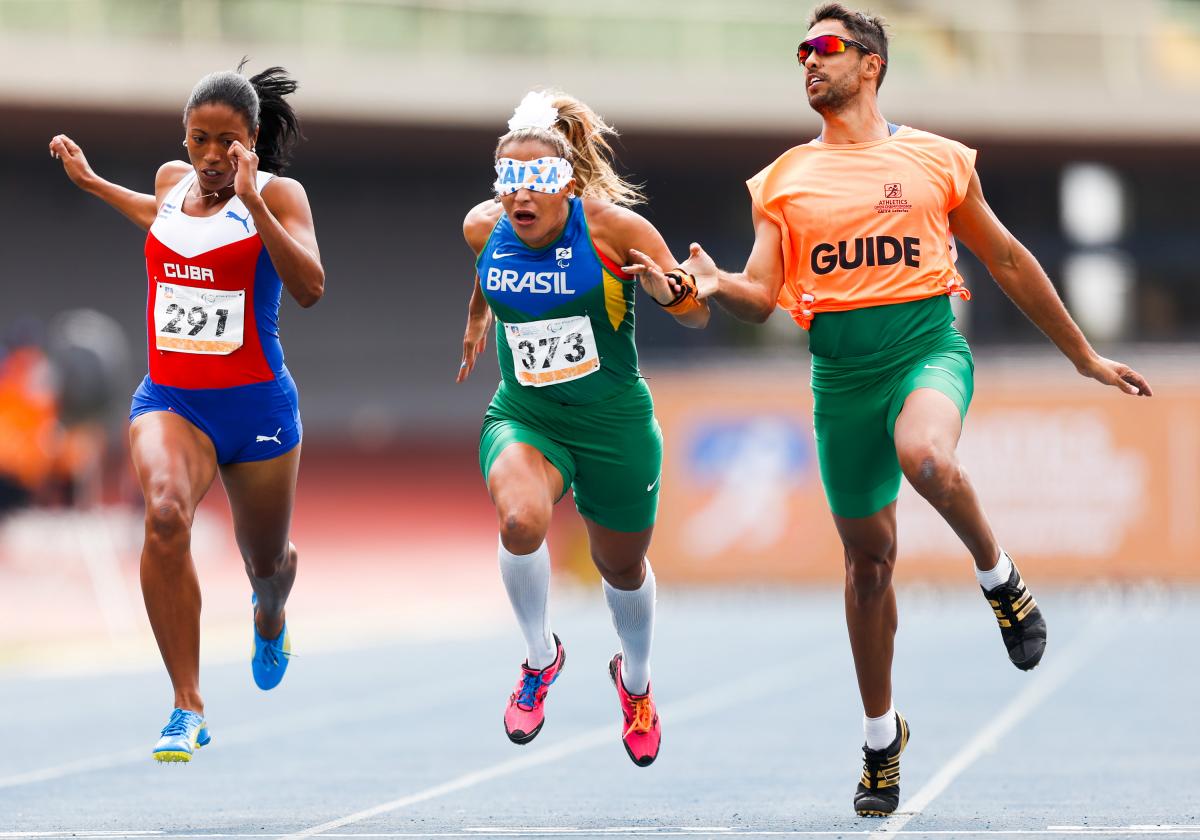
[633,617]
[527,580]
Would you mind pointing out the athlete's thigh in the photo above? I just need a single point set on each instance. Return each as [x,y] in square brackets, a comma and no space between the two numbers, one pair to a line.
[857,457]
[934,393]
[870,536]
[618,460]
[261,497]
[521,474]
[173,459]
[929,421]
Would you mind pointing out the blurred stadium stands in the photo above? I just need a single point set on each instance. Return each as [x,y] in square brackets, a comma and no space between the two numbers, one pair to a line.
[1009,67]
[1072,104]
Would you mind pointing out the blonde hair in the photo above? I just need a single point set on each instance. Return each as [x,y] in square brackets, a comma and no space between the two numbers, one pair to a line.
[580,136]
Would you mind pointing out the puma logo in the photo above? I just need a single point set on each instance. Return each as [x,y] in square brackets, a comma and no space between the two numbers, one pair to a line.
[229,214]
[274,437]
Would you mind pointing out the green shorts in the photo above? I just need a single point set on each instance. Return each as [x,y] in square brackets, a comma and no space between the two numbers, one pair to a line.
[855,404]
[610,451]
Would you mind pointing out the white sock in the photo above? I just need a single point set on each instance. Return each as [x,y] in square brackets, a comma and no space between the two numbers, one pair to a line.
[880,731]
[527,579]
[996,575]
[633,617]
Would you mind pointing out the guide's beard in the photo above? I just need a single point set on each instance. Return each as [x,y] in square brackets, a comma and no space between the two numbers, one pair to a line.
[836,97]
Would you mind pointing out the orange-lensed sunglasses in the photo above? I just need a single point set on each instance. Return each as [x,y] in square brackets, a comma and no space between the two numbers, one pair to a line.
[830,45]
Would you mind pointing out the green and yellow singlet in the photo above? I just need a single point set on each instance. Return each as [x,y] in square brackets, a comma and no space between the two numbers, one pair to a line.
[564,314]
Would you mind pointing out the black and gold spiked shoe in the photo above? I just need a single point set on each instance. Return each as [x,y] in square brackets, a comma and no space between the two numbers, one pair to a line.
[878,791]
[1021,624]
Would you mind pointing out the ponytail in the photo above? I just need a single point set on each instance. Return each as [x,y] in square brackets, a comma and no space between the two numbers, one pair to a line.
[261,100]
[278,125]
[580,136]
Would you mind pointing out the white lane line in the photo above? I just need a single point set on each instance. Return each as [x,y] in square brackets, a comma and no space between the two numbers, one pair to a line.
[696,706]
[648,831]
[82,833]
[1059,669]
[83,765]
[350,711]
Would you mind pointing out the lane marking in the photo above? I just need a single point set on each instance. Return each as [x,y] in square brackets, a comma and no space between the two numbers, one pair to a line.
[85,832]
[651,831]
[331,714]
[696,706]
[83,765]
[1075,655]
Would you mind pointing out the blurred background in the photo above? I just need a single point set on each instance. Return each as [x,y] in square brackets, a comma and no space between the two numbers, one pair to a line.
[1086,115]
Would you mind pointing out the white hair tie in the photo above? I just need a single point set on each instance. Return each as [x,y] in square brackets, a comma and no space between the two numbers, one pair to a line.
[535,111]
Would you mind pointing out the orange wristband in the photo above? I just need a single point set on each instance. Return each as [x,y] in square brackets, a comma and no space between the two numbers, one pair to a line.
[686,300]
[690,303]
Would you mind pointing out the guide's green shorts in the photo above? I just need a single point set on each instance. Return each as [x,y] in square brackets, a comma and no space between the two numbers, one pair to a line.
[610,451]
[855,403]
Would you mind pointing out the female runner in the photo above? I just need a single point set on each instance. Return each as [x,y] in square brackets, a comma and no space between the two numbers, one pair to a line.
[572,409]
[226,234]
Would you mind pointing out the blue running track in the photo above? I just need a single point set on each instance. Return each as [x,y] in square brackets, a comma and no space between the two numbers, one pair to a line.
[761,732]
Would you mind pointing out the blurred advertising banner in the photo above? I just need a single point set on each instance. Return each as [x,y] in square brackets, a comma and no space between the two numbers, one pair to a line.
[1077,480]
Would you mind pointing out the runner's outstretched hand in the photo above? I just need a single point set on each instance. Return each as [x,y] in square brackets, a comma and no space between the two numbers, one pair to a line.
[652,277]
[1116,374]
[74,163]
[701,266]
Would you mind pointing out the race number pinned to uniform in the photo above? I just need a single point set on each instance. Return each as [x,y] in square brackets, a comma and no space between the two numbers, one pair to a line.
[554,351]
[192,320]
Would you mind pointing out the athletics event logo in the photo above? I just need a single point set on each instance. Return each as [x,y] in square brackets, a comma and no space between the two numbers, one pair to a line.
[893,200]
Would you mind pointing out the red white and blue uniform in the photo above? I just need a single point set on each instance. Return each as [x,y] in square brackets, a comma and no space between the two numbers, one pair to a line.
[212,329]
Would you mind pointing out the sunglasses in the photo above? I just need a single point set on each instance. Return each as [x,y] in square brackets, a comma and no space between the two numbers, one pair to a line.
[830,45]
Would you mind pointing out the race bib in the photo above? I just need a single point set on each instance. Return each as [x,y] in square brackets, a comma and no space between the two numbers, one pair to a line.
[192,320]
[554,351]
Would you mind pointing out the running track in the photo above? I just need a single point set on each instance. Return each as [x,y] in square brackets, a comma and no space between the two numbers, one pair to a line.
[398,737]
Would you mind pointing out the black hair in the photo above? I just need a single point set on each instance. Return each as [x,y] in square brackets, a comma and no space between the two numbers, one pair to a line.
[261,100]
[869,29]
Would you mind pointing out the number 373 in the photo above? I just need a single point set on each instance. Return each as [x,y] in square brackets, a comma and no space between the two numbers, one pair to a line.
[197,319]
[550,346]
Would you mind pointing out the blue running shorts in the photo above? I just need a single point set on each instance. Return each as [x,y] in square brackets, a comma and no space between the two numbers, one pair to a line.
[253,422]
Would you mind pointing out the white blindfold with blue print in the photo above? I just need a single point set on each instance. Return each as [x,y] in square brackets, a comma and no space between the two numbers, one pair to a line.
[544,175]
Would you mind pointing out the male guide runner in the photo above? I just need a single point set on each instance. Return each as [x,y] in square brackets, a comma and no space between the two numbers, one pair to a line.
[855,237]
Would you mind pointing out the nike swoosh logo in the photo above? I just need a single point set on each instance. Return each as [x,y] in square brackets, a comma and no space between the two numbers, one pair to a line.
[650,486]
[496,255]
[935,367]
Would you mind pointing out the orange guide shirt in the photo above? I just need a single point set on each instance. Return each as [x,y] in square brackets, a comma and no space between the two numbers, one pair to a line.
[865,224]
